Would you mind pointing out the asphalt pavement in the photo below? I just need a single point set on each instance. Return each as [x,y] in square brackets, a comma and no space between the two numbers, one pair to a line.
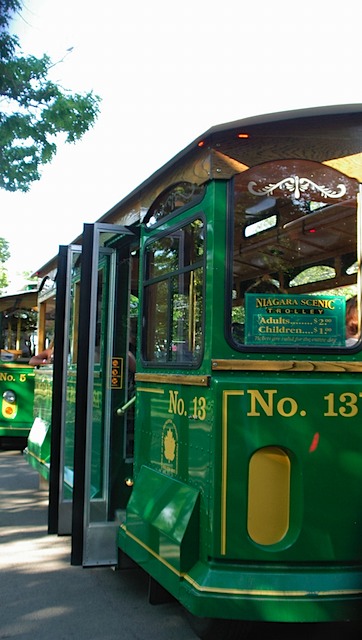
[42,596]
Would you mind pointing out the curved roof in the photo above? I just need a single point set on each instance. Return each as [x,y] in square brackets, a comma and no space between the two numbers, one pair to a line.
[219,153]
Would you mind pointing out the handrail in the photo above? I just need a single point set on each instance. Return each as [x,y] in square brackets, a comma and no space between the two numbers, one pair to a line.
[122,410]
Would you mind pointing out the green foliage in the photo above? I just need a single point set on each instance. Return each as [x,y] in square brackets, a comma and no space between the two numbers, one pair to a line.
[4,256]
[34,110]
[3,279]
[4,250]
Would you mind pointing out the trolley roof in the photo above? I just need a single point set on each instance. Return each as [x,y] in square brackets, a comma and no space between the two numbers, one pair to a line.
[20,300]
[231,148]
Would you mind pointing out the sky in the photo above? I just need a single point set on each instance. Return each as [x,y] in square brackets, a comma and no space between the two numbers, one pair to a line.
[166,72]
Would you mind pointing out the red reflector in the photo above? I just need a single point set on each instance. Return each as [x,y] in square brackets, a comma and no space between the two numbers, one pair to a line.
[312,230]
[201,143]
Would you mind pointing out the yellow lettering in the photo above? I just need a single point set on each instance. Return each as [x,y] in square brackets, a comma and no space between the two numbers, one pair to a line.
[176,405]
[292,409]
[6,377]
[172,407]
[266,405]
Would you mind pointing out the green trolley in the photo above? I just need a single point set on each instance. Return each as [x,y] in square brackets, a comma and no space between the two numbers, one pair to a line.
[229,463]
[18,321]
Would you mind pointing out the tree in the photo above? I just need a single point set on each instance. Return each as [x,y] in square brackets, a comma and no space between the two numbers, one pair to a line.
[4,256]
[33,110]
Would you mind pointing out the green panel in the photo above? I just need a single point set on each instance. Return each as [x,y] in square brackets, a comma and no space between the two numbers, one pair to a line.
[162,514]
[68,435]
[273,593]
[39,440]
[37,452]
[16,418]
[97,435]
[317,425]
[97,452]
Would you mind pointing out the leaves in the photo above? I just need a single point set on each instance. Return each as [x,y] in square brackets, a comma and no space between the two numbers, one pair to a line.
[4,250]
[4,256]
[34,110]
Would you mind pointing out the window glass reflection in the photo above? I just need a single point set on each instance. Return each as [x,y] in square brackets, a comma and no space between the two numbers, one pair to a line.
[295,240]
[173,296]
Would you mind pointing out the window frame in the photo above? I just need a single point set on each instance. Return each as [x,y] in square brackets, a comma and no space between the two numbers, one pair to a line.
[265,348]
[154,236]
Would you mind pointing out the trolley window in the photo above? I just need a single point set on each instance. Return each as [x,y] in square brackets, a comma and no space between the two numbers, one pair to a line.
[173,300]
[294,261]
[46,322]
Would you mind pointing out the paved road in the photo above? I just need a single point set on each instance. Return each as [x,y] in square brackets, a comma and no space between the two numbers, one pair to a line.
[42,596]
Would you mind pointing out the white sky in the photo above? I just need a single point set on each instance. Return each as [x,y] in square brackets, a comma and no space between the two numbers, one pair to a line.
[166,73]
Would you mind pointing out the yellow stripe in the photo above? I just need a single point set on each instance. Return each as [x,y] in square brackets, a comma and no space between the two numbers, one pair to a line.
[145,390]
[30,453]
[155,555]
[243,592]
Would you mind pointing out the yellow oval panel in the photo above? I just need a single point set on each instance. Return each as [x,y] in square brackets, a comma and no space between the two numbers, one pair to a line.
[269,495]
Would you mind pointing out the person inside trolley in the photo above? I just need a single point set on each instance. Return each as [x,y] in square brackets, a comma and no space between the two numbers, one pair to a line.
[43,357]
[352,330]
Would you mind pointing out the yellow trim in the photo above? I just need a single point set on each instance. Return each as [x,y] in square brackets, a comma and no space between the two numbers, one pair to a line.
[287,365]
[16,365]
[30,453]
[272,594]
[233,591]
[145,390]
[11,365]
[149,550]
[173,378]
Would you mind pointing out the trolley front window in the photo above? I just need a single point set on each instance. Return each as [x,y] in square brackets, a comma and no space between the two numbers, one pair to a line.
[173,297]
[295,259]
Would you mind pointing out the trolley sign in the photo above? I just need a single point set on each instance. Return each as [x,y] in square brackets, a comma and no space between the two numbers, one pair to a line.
[295,320]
